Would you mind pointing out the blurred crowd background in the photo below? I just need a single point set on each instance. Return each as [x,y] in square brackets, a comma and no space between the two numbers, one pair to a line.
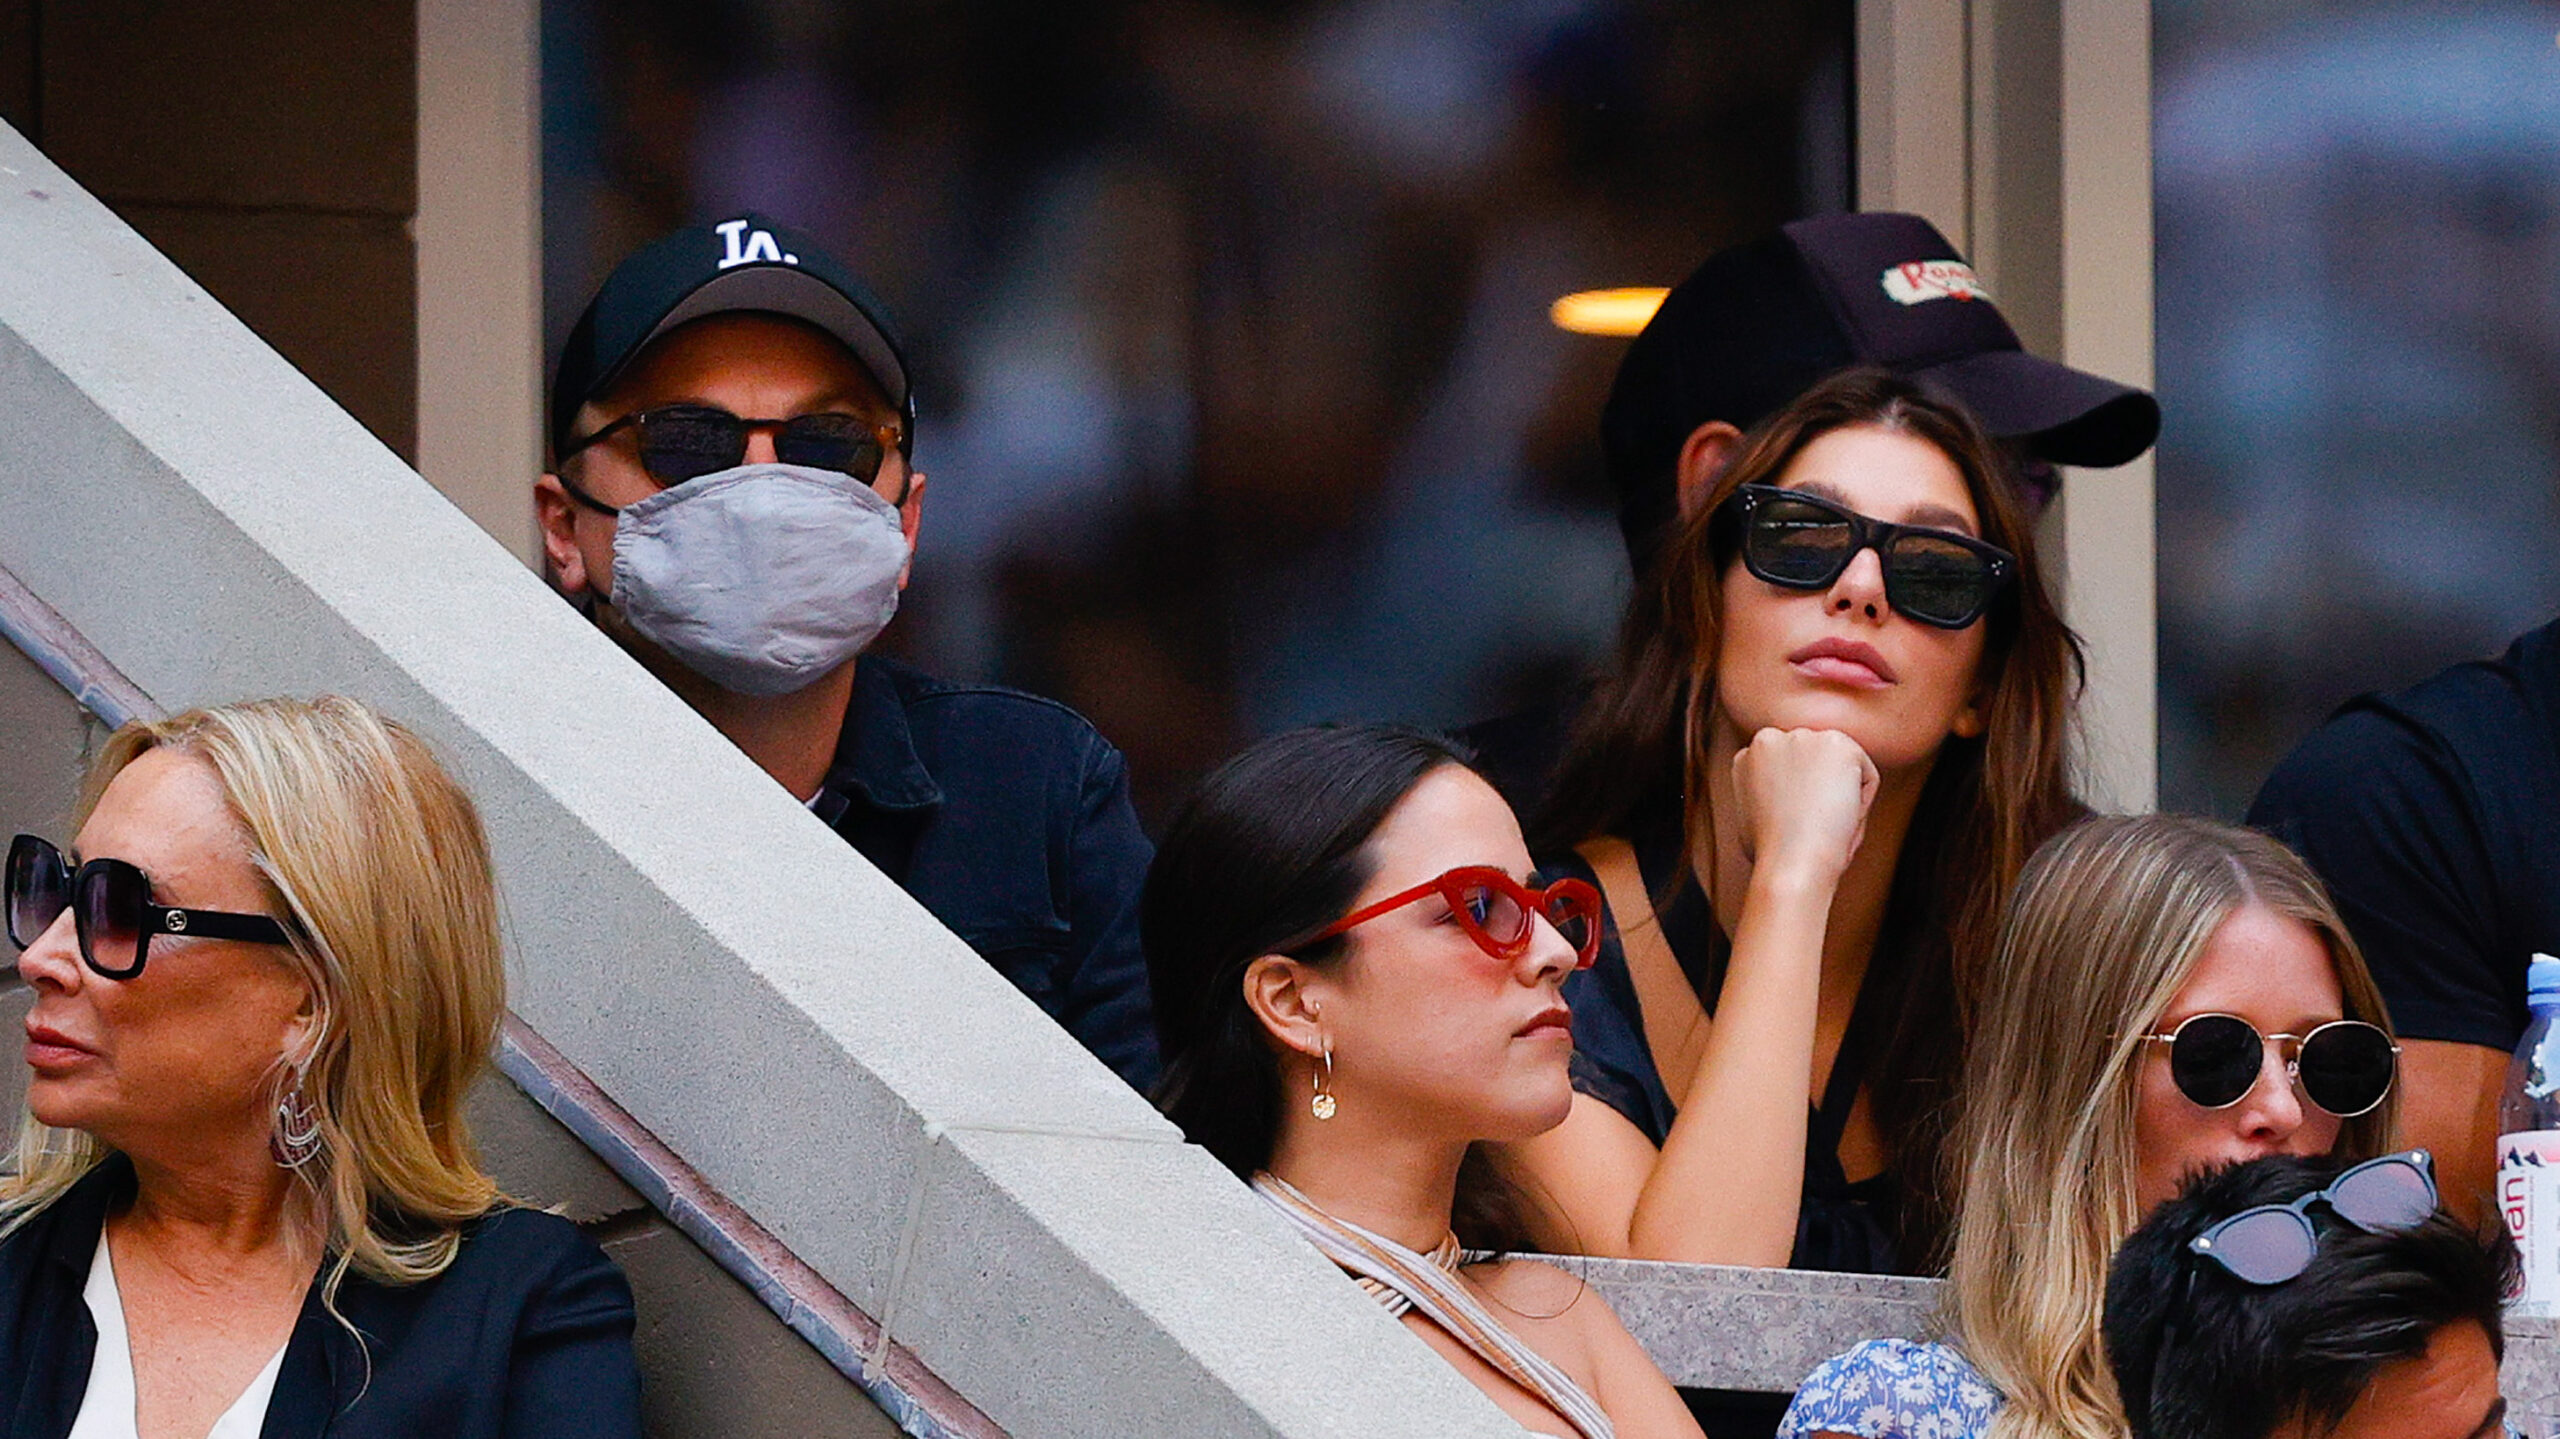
[1241,404]
[1240,401]
[2358,215]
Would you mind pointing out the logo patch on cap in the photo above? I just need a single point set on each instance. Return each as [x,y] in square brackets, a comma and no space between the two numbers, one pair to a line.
[750,246]
[1915,281]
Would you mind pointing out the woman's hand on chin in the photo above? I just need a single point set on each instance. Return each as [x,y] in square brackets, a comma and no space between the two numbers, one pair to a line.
[1805,795]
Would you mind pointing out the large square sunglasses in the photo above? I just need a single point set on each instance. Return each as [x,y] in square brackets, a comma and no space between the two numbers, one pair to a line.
[1799,541]
[1495,911]
[112,912]
[685,442]
[2345,1066]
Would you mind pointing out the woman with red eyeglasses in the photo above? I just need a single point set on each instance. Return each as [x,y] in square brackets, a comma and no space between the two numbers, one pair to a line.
[1357,984]
[1834,731]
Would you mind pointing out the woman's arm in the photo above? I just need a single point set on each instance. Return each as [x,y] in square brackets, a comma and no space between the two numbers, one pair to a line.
[1728,1180]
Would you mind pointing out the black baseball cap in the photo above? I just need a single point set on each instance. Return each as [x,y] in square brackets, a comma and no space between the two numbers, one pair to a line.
[745,262]
[1758,324]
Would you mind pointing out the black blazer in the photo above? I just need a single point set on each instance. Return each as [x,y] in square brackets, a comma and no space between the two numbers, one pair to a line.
[527,1334]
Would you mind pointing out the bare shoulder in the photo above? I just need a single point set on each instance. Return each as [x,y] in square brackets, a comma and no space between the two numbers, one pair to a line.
[1565,1319]
[1543,1293]
[1516,1276]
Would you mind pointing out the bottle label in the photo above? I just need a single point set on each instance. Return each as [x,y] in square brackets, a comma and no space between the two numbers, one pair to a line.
[2529,1198]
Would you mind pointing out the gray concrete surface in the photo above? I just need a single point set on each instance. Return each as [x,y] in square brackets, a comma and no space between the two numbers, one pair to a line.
[713,1359]
[1764,1329]
[44,744]
[1714,1327]
[717,960]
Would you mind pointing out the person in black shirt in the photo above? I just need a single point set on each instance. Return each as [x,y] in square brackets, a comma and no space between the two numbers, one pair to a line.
[1812,778]
[2434,816]
[732,500]
[1832,736]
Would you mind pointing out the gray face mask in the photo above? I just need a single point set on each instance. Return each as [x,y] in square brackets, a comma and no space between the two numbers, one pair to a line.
[761,578]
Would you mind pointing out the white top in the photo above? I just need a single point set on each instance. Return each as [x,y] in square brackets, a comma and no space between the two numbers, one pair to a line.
[106,1411]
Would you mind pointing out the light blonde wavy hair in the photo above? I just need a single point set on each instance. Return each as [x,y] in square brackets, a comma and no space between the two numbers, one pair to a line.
[374,859]
[2105,928]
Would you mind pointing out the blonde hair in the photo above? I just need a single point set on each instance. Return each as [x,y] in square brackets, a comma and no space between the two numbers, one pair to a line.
[2106,927]
[374,858]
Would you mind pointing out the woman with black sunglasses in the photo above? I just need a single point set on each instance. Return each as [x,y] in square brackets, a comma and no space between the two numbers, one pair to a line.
[244,1199]
[2173,995]
[1833,733]
[1356,985]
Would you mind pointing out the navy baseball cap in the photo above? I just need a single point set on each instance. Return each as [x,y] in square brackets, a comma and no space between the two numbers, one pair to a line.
[1759,324]
[746,262]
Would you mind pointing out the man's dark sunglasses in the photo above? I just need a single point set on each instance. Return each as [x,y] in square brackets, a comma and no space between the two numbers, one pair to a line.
[2345,1066]
[1803,542]
[111,909]
[2273,1243]
[685,442]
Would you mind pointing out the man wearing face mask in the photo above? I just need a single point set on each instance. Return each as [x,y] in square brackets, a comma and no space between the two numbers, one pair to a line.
[732,500]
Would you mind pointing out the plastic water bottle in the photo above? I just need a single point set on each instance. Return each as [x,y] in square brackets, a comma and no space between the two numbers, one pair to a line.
[2529,1144]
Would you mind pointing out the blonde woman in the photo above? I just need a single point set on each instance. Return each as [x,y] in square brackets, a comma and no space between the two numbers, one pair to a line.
[244,1199]
[2171,995]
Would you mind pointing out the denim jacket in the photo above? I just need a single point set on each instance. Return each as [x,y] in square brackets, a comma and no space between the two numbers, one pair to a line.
[1008,817]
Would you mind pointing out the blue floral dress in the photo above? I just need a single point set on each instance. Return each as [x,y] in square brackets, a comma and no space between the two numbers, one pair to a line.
[1893,1389]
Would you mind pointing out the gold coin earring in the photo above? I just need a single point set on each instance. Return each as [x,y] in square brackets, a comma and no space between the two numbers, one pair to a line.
[1322,1106]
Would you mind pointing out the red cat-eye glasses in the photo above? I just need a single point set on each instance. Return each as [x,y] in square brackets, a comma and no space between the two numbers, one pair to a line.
[1494,909]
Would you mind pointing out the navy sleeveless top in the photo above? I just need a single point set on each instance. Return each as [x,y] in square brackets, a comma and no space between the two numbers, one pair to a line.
[1840,1226]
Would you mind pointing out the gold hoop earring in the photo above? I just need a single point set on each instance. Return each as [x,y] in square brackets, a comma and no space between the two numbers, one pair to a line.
[1322,1106]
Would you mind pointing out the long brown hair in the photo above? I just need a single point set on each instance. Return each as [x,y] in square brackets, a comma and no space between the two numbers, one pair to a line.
[1989,801]
[2108,924]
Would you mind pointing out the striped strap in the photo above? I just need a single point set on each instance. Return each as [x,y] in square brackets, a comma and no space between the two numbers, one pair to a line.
[1402,1279]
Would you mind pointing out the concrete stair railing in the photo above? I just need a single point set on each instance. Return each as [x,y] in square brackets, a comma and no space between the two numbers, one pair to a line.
[811,1044]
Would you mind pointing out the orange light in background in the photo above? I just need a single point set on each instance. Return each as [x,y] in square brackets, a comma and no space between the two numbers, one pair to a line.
[1607,312]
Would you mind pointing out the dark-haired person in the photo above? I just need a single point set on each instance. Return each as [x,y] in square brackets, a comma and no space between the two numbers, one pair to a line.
[733,500]
[2434,814]
[1834,732]
[2300,1299]
[1762,322]
[1356,985]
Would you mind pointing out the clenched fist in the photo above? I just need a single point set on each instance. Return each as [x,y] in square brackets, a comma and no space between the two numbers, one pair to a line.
[1805,794]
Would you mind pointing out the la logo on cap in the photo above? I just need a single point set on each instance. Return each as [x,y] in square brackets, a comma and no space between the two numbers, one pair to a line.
[1916,281]
[749,246]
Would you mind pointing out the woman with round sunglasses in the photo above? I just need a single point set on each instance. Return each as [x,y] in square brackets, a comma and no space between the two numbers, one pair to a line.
[1357,985]
[2173,995]
[1833,733]
[244,1198]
